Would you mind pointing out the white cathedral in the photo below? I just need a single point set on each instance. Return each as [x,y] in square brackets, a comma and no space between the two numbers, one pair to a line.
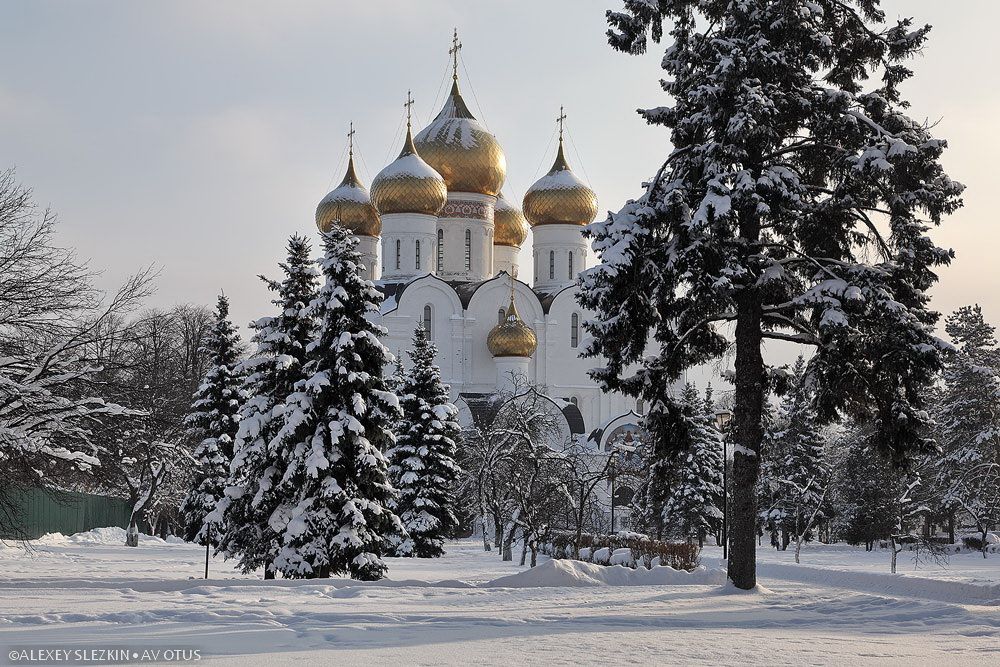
[442,243]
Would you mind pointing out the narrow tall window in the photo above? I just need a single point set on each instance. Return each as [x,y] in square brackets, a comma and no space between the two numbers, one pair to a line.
[427,322]
[399,251]
[571,265]
[640,406]
[468,249]
[552,265]
[574,330]
[440,265]
[417,254]
[501,316]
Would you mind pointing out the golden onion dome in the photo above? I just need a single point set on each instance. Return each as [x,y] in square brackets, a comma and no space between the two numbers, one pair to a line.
[510,227]
[349,206]
[459,148]
[560,197]
[512,337]
[409,185]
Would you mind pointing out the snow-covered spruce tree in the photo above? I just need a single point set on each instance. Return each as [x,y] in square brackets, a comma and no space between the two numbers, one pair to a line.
[252,489]
[794,206]
[422,464]
[864,490]
[336,426]
[968,417]
[692,508]
[795,474]
[212,423]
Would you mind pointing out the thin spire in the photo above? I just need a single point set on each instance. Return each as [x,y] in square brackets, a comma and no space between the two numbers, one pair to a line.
[409,109]
[456,46]
[512,309]
[560,164]
[408,147]
[351,177]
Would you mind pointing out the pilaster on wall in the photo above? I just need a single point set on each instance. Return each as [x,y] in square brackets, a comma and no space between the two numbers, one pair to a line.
[466,222]
[551,247]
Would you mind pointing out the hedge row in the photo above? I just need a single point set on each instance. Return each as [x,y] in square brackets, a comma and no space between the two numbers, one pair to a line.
[606,550]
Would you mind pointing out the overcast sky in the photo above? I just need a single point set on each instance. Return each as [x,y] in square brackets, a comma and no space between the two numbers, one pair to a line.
[197,136]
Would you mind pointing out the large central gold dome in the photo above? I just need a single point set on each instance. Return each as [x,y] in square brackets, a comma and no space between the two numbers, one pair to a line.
[459,148]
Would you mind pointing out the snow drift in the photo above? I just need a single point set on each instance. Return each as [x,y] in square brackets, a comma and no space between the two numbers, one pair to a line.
[575,573]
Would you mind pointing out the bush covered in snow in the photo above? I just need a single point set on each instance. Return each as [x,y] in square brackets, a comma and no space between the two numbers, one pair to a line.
[625,548]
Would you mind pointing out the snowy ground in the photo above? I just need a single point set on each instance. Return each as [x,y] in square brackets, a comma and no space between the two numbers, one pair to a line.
[840,605]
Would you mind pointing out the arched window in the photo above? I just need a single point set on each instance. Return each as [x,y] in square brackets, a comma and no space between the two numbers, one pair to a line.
[399,252]
[417,254]
[440,253]
[571,276]
[574,330]
[427,322]
[468,249]
[501,316]
[552,265]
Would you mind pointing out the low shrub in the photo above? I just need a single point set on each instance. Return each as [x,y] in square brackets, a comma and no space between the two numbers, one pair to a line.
[609,549]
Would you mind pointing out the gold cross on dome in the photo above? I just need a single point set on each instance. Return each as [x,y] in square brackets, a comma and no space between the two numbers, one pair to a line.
[350,140]
[456,46]
[560,120]
[409,107]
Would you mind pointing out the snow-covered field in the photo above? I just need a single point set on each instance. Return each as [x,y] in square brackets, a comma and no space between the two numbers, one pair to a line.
[839,607]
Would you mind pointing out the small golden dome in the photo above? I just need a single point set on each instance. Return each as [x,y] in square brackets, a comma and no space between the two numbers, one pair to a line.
[512,337]
[349,206]
[511,229]
[459,148]
[560,197]
[409,185]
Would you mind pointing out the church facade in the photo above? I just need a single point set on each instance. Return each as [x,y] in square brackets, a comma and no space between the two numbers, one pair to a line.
[441,241]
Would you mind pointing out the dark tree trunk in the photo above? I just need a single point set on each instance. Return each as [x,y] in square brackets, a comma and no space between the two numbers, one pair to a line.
[951,527]
[324,571]
[748,432]
[132,534]
[269,571]
[497,532]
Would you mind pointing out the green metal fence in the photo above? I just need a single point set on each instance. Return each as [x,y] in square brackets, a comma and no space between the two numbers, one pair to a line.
[39,511]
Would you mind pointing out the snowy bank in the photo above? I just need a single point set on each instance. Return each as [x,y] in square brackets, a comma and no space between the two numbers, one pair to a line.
[111,536]
[906,585]
[575,573]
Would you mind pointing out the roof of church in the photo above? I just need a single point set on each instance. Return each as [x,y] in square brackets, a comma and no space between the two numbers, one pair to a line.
[464,290]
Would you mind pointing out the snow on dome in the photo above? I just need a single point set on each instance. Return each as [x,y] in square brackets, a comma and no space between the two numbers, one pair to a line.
[459,148]
[349,206]
[409,184]
[510,227]
[560,197]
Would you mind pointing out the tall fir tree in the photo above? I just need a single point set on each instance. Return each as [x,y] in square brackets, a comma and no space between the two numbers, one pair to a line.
[252,495]
[212,423]
[337,424]
[865,490]
[693,504]
[795,472]
[968,417]
[422,464]
[794,206]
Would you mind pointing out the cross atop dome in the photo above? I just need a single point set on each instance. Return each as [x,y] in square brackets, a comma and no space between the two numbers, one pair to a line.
[560,120]
[456,47]
[409,108]
[350,140]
